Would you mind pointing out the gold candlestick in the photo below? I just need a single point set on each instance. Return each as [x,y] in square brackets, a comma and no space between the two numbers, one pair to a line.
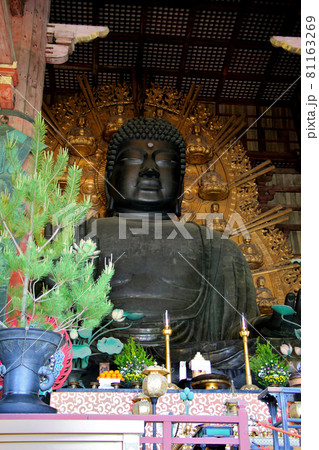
[244,333]
[167,331]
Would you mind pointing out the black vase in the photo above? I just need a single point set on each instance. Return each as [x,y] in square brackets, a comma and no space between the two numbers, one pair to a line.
[23,354]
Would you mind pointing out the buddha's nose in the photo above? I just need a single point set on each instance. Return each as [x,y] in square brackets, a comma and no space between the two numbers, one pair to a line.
[149,169]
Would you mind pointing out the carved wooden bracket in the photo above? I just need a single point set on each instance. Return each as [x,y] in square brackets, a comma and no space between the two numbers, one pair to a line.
[62,39]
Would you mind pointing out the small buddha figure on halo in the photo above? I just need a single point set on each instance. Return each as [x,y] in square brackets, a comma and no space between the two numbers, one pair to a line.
[213,187]
[81,139]
[159,113]
[252,254]
[215,220]
[198,150]
[264,296]
[114,122]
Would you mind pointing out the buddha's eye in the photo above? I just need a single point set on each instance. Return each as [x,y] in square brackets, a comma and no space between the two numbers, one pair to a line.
[130,160]
[130,157]
[166,159]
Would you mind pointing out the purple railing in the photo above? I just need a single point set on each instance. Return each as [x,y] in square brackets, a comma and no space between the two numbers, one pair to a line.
[166,440]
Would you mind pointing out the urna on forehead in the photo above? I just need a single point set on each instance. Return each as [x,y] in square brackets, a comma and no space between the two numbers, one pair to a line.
[146,128]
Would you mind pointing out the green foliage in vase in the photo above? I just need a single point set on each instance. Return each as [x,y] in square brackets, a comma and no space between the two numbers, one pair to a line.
[57,287]
[268,366]
[132,361]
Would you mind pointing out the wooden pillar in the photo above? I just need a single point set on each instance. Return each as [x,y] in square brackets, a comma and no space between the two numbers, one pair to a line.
[8,65]
[29,39]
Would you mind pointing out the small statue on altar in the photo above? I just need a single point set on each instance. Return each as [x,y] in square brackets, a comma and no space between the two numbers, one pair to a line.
[114,122]
[81,139]
[215,220]
[213,187]
[264,296]
[198,150]
[252,254]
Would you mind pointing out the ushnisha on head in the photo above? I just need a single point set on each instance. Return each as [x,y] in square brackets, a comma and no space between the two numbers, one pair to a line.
[145,167]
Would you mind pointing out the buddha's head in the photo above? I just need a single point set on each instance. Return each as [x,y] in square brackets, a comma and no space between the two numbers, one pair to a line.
[261,282]
[145,167]
[214,207]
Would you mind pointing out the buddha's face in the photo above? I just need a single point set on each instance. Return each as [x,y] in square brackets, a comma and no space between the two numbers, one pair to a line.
[146,177]
[81,121]
[261,282]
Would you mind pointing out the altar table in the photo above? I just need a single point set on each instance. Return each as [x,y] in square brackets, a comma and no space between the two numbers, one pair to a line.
[119,401]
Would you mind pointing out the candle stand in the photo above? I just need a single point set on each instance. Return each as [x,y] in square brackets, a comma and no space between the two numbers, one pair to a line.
[244,333]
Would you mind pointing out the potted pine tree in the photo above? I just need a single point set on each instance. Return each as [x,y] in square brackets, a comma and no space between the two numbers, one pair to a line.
[57,290]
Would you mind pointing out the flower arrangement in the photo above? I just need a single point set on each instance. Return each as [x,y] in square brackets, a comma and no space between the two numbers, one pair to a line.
[268,366]
[132,361]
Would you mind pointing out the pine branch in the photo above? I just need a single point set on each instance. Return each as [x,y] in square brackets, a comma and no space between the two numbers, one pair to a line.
[11,235]
[56,231]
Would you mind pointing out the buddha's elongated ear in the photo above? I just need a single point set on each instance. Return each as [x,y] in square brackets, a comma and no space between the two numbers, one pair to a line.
[107,186]
[178,208]
[110,204]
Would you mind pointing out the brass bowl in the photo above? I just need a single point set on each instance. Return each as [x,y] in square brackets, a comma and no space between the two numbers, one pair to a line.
[211,381]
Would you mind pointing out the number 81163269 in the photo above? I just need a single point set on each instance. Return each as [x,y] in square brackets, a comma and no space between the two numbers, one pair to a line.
[310,47]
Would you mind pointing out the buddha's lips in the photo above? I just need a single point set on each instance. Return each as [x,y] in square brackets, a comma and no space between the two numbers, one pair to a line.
[149,184]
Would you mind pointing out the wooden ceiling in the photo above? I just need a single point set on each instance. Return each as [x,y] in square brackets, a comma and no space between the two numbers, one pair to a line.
[223,46]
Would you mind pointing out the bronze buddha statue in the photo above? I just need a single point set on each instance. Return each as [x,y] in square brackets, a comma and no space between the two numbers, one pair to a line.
[160,263]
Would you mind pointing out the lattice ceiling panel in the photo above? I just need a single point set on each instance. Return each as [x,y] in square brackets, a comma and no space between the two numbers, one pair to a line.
[250,61]
[83,55]
[274,3]
[240,89]
[66,79]
[287,64]
[214,24]
[118,53]
[274,90]
[205,58]
[111,78]
[223,45]
[73,12]
[208,85]
[260,27]
[163,80]
[121,18]
[157,55]
[167,21]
